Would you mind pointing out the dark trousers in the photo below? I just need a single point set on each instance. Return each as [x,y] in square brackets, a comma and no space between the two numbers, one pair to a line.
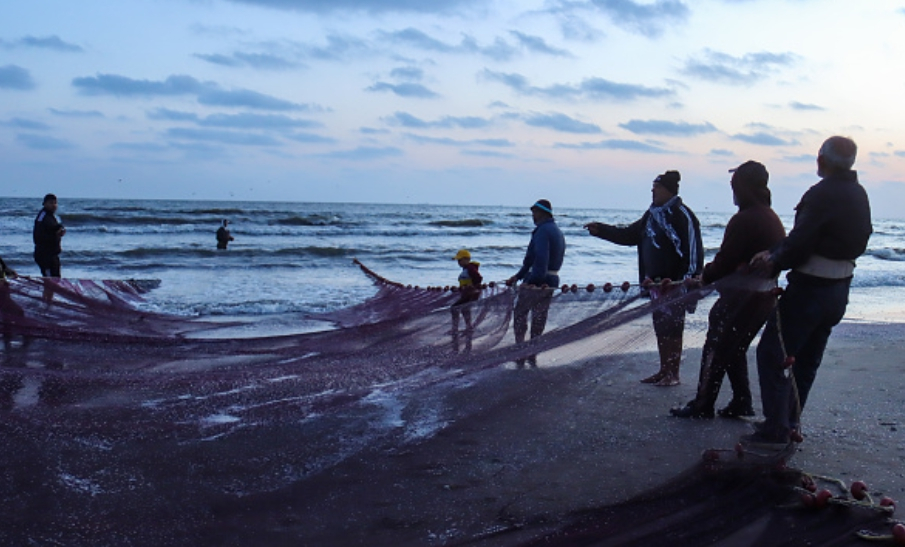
[535,301]
[734,321]
[49,264]
[806,314]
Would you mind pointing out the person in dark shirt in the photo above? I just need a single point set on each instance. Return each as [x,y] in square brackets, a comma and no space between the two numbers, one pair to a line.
[539,274]
[668,237]
[744,303]
[223,235]
[48,232]
[831,230]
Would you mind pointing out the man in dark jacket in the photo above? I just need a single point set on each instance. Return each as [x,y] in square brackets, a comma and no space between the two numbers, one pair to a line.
[539,275]
[668,237]
[223,235]
[745,301]
[48,232]
[832,228]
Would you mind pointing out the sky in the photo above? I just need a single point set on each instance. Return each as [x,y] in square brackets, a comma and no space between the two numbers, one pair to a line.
[473,102]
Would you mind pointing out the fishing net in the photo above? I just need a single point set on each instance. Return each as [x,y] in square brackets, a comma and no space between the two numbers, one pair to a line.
[124,425]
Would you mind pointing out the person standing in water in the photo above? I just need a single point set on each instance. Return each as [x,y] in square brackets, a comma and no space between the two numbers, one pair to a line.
[47,235]
[668,237]
[223,235]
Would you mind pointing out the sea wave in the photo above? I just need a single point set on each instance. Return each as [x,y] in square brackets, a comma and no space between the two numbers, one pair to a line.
[87,219]
[462,223]
[886,253]
[309,220]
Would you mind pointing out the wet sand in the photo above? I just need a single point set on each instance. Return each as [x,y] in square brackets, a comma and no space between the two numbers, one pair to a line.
[520,452]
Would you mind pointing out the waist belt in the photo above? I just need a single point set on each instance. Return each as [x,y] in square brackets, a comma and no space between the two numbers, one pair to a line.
[819,266]
[552,272]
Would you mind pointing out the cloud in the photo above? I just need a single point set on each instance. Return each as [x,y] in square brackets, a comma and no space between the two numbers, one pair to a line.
[615,144]
[369,6]
[172,115]
[43,142]
[207,93]
[721,152]
[795,105]
[364,153]
[221,137]
[21,123]
[663,127]
[139,146]
[445,141]
[47,42]
[536,44]
[260,61]
[410,73]
[723,68]
[15,77]
[405,119]
[256,121]
[763,139]
[310,138]
[373,131]
[561,122]
[646,19]
[595,89]
[404,90]
[499,50]
[486,153]
[76,113]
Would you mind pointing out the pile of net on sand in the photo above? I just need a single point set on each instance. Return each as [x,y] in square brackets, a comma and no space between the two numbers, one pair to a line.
[122,425]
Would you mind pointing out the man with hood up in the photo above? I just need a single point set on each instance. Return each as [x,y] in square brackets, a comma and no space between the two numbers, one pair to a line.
[744,303]
[668,237]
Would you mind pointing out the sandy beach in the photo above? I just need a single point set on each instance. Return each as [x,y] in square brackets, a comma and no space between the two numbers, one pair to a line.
[514,454]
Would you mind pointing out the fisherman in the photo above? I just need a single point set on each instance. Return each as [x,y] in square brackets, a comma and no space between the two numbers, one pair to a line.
[47,233]
[744,303]
[470,280]
[831,230]
[539,275]
[223,235]
[668,237]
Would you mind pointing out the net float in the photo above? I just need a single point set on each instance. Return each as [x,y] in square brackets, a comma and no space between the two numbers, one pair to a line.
[887,501]
[607,287]
[788,362]
[590,287]
[776,291]
[626,286]
[898,533]
[858,490]
[822,498]
[565,288]
[574,287]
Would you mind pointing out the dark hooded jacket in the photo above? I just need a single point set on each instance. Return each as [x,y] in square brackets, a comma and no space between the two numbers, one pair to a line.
[754,228]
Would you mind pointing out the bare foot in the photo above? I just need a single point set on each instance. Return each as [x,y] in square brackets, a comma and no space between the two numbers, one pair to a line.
[668,380]
[653,379]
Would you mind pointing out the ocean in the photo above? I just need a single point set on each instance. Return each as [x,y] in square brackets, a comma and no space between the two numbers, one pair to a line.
[297,257]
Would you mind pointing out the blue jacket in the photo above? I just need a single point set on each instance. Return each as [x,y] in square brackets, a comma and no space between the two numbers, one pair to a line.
[545,254]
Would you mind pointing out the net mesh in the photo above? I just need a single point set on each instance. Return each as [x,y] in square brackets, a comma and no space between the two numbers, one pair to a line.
[125,425]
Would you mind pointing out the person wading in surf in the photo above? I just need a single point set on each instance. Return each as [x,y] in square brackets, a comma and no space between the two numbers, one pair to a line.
[668,237]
